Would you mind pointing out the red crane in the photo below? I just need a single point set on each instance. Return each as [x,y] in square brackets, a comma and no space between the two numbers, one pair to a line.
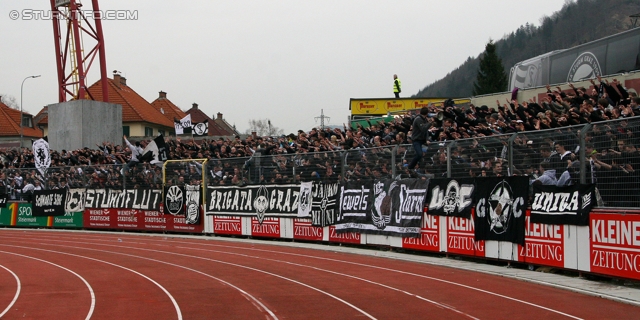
[73,64]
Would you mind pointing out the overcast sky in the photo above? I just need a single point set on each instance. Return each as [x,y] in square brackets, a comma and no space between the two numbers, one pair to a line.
[285,60]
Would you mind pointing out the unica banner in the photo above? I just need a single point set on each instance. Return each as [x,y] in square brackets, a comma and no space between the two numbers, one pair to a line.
[378,107]
[19,214]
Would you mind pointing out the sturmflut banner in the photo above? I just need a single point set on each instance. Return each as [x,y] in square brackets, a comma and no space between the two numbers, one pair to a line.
[562,205]
[451,197]
[500,209]
[260,201]
[386,207]
[143,199]
[48,202]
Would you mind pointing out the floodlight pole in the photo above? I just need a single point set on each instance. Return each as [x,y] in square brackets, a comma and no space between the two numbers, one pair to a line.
[21,127]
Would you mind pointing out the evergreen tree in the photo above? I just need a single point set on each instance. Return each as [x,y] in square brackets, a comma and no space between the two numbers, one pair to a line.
[491,75]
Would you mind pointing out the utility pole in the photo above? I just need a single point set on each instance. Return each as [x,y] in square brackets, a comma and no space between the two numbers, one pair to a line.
[322,117]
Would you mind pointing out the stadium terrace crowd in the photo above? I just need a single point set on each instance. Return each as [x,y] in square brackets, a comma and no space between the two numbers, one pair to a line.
[367,150]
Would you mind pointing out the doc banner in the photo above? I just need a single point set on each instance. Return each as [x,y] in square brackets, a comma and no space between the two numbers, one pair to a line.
[260,201]
[562,205]
[451,197]
[383,207]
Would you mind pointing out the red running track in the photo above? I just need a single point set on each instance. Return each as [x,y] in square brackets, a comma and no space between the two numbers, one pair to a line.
[78,275]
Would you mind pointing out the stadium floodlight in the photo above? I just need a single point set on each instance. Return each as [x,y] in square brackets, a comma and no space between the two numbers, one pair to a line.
[21,116]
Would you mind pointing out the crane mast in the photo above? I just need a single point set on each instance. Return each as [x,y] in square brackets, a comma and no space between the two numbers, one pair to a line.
[70,25]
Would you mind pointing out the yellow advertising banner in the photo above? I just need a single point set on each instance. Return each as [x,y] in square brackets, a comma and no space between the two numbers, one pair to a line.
[379,107]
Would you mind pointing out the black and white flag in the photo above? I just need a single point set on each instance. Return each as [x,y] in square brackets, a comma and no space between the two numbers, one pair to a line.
[75,200]
[451,197]
[386,207]
[562,205]
[41,155]
[174,200]
[193,196]
[355,201]
[260,201]
[155,152]
[500,208]
[48,202]
[324,204]
[183,126]
[201,129]
[304,205]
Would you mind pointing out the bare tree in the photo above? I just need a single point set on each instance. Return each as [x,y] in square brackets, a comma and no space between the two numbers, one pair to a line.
[9,101]
[263,127]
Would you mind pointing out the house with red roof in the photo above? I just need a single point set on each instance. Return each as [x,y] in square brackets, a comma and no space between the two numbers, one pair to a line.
[217,126]
[143,119]
[10,129]
[167,108]
[139,117]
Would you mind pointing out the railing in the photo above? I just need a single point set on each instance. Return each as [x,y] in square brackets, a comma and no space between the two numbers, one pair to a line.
[604,153]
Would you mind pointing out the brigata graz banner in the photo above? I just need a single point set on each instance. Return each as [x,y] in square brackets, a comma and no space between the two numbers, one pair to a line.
[142,199]
[501,205]
[451,197]
[562,205]
[48,202]
[385,207]
[261,201]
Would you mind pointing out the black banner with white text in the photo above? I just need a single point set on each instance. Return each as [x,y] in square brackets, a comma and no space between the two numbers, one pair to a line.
[143,199]
[261,201]
[48,202]
[386,207]
[562,205]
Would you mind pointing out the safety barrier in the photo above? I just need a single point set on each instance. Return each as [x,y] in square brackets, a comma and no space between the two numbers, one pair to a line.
[609,246]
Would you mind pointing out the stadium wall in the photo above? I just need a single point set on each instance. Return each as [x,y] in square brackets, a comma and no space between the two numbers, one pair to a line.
[609,246]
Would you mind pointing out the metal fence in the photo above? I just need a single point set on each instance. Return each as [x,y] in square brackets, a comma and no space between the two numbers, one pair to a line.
[604,153]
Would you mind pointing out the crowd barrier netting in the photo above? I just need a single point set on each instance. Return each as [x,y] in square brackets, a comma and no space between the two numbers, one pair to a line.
[604,153]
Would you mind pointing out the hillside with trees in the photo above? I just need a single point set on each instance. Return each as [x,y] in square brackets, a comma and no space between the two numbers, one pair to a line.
[576,23]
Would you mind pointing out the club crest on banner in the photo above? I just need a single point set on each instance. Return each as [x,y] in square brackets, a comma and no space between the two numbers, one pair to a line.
[201,129]
[381,214]
[501,207]
[306,198]
[261,203]
[586,66]
[174,200]
[41,155]
[192,199]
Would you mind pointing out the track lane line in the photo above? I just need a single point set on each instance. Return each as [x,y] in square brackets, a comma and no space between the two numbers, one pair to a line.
[375,267]
[212,260]
[393,270]
[15,298]
[93,296]
[438,304]
[441,305]
[175,304]
[150,238]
